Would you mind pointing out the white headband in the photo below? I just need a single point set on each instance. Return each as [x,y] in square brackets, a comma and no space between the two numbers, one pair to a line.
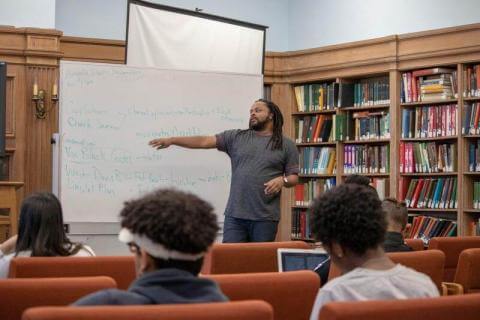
[156,250]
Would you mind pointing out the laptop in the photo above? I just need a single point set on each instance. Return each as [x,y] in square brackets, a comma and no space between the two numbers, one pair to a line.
[301,259]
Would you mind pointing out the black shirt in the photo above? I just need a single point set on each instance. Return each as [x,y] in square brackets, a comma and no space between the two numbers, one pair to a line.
[394,243]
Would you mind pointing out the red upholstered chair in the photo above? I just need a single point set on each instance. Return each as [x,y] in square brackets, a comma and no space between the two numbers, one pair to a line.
[468,271]
[17,295]
[291,294]
[415,244]
[121,269]
[464,307]
[241,310]
[452,247]
[246,257]
[429,262]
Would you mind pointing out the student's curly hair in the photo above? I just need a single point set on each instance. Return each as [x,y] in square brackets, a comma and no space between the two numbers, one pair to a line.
[358,179]
[178,220]
[350,215]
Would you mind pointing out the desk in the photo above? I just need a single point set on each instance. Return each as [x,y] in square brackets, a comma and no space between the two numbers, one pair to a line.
[8,200]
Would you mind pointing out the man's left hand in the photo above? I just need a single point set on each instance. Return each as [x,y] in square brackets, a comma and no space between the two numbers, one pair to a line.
[274,186]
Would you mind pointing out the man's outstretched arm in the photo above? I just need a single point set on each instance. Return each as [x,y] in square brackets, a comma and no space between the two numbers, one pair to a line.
[195,142]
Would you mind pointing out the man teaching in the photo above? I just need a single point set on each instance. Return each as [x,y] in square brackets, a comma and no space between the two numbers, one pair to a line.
[263,161]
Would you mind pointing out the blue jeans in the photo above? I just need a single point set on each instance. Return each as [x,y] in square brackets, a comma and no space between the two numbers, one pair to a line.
[243,230]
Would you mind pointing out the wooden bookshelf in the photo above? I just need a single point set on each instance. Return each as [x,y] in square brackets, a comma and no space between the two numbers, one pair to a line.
[456,48]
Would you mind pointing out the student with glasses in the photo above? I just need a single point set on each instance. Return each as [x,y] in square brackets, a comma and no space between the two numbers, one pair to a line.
[168,232]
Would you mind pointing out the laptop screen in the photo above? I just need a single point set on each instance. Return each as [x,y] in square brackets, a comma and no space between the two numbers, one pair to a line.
[299,259]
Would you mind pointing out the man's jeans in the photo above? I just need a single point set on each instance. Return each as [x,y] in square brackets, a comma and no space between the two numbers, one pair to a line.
[243,230]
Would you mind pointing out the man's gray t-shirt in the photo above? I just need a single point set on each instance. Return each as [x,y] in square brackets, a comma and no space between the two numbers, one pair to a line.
[254,164]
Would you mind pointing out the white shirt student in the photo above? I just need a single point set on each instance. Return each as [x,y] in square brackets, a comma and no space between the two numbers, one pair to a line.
[83,251]
[40,233]
[350,223]
[362,284]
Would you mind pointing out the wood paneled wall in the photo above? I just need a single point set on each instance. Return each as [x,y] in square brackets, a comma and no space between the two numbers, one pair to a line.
[35,53]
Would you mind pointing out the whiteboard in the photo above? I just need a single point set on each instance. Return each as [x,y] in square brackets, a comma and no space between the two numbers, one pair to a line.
[109,113]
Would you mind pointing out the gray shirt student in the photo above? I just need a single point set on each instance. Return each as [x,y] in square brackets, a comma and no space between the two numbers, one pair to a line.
[253,163]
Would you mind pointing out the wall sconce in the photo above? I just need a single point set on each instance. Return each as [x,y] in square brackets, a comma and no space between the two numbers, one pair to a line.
[38,99]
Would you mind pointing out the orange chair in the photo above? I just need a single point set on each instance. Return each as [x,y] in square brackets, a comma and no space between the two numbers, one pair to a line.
[121,269]
[246,257]
[17,295]
[464,307]
[429,262]
[468,271]
[242,310]
[291,294]
[415,244]
[452,247]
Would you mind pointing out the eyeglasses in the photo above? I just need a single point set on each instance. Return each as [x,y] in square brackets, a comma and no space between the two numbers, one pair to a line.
[133,247]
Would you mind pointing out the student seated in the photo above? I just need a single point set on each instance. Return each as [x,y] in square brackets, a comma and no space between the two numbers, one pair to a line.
[397,216]
[169,232]
[324,269]
[350,223]
[40,233]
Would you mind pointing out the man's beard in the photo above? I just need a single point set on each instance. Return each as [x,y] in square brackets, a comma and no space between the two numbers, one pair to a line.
[258,125]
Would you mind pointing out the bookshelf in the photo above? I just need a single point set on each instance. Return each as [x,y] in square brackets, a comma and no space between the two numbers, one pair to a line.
[456,48]
[471,142]
[443,147]
[356,138]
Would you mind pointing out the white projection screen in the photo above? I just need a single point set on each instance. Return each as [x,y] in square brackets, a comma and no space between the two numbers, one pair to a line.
[177,39]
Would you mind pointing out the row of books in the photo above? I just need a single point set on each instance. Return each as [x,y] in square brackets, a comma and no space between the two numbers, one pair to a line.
[429,121]
[476,195]
[301,224]
[432,193]
[366,159]
[317,160]
[428,85]
[306,192]
[371,91]
[427,157]
[474,156]
[328,96]
[316,96]
[316,128]
[426,227]
[362,125]
[474,228]
[371,125]
[472,81]
[471,121]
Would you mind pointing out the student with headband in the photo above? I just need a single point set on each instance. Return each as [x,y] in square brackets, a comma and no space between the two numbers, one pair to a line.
[169,232]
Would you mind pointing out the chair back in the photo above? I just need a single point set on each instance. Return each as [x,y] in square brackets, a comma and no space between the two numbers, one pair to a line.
[241,310]
[17,295]
[429,262]
[291,294]
[121,268]
[468,271]
[452,247]
[246,257]
[415,244]
[465,307]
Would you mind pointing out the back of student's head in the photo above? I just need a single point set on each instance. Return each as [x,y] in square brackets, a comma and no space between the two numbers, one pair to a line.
[358,179]
[349,215]
[173,227]
[396,214]
[40,227]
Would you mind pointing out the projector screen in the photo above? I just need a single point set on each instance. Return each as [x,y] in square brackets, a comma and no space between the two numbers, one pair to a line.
[177,39]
